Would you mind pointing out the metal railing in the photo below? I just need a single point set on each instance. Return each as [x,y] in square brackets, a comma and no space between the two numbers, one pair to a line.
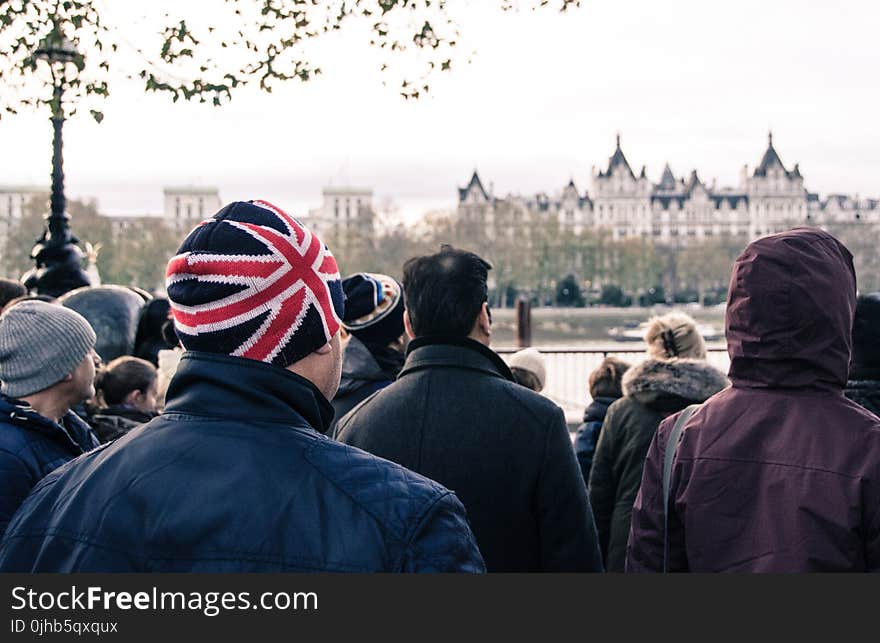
[569,368]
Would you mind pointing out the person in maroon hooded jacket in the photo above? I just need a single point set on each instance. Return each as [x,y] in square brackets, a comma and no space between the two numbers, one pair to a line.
[779,472]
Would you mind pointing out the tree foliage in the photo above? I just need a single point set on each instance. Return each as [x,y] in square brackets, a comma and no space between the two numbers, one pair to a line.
[208,50]
[861,240]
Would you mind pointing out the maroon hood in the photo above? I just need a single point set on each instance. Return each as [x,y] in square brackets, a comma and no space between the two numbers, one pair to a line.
[790,312]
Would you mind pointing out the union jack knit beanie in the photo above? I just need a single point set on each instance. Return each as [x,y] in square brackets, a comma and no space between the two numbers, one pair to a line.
[254,282]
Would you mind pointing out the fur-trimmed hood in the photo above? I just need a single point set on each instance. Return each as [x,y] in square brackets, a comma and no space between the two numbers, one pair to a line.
[690,379]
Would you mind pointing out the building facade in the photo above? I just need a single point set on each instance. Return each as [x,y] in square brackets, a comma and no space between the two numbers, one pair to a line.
[13,201]
[185,207]
[676,210]
[346,218]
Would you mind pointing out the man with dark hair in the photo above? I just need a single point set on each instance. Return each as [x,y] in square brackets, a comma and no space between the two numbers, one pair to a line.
[456,416]
[450,291]
[235,476]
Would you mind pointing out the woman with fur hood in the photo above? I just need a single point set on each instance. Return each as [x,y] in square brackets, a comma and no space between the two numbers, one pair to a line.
[674,376]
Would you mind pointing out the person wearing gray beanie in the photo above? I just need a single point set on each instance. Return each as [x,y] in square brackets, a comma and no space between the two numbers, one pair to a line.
[47,366]
[40,344]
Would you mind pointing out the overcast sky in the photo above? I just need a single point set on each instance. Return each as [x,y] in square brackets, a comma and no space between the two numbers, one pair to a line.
[694,83]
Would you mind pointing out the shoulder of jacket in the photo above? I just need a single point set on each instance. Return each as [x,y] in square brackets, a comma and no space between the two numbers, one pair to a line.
[543,410]
[16,438]
[394,496]
[625,405]
[346,419]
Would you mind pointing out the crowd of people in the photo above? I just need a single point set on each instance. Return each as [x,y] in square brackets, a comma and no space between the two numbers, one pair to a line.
[274,416]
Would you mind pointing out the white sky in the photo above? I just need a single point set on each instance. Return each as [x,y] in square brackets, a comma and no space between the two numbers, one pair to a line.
[694,83]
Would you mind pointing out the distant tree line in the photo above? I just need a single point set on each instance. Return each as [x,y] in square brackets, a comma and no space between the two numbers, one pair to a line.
[548,264]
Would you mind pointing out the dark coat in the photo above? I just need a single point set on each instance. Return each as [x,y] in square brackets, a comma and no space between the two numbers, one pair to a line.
[456,416]
[115,421]
[652,390]
[234,477]
[362,375]
[780,472]
[865,393]
[30,447]
[587,434]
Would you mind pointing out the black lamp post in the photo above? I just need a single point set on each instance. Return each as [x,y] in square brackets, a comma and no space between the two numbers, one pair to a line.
[58,259]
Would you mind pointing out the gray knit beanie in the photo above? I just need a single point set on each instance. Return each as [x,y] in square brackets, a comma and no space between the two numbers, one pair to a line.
[40,344]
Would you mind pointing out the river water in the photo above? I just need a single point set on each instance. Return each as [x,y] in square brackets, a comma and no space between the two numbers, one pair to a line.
[575,340]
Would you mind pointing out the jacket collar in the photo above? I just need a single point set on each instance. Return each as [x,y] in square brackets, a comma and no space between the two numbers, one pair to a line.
[125,411]
[688,379]
[432,351]
[595,412]
[358,366]
[72,431]
[237,388]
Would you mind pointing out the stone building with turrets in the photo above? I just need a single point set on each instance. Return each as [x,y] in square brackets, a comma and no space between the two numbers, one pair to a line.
[676,210]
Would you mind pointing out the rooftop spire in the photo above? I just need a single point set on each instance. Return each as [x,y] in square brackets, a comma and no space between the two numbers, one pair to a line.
[769,159]
[667,181]
[618,159]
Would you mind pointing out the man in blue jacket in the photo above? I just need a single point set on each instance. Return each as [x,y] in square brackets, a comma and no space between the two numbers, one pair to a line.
[47,366]
[235,475]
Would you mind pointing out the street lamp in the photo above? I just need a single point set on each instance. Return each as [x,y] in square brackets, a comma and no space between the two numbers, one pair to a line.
[58,259]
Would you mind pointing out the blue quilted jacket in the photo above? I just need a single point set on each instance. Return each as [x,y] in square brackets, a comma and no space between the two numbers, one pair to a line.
[235,476]
[30,447]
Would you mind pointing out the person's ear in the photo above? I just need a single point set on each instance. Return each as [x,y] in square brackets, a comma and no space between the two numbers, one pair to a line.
[484,319]
[326,348]
[407,324]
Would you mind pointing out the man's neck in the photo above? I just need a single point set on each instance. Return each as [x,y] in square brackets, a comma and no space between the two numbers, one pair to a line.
[49,406]
[479,336]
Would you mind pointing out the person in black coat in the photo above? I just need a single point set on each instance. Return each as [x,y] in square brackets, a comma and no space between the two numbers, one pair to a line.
[863,385]
[605,389]
[456,416]
[374,352]
[235,475]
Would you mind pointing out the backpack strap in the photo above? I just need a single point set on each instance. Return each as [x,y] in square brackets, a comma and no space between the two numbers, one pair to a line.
[668,461]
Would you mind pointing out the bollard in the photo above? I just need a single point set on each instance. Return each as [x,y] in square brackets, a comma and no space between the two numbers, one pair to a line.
[523,323]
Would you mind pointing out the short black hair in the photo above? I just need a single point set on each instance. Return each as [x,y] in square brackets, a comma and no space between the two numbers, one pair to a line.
[444,292]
